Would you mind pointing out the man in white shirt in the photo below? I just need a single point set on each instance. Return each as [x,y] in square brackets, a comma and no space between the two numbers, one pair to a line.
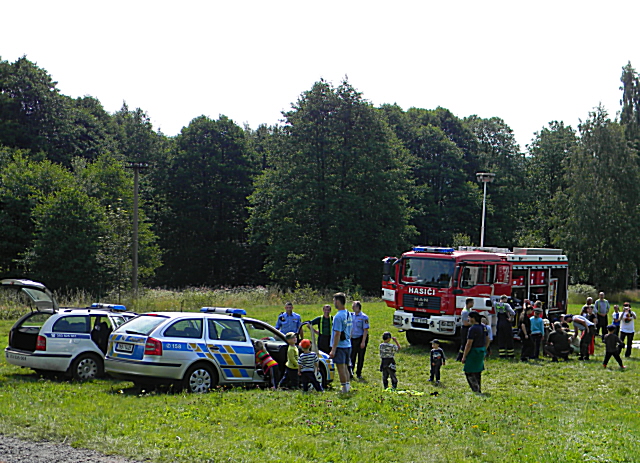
[588,330]
[627,330]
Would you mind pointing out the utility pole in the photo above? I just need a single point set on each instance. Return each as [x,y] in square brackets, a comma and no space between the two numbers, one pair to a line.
[137,167]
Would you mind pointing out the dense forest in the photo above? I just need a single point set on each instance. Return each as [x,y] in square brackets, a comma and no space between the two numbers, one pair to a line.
[318,200]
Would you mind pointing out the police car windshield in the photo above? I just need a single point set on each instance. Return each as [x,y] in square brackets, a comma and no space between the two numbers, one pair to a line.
[435,273]
[142,325]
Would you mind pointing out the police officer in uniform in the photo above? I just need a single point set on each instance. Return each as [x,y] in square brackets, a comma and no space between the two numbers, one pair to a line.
[289,321]
[505,333]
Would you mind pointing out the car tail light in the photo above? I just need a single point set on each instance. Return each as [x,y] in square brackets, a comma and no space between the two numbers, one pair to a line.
[41,343]
[153,347]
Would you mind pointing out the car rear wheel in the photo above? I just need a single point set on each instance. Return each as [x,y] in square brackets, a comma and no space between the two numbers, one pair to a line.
[200,378]
[86,367]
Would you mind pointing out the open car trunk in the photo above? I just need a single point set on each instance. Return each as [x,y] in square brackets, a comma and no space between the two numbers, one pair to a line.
[24,334]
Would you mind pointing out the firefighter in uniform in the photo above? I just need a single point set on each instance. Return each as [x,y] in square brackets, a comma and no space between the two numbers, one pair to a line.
[505,332]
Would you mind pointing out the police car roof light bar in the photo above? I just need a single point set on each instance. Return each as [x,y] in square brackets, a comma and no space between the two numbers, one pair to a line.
[113,307]
[224,310]
[435,249]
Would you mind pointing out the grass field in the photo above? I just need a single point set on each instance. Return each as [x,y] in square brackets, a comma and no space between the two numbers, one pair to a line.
[537,412]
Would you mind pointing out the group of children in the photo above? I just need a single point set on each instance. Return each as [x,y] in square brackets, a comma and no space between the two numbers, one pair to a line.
[300,368]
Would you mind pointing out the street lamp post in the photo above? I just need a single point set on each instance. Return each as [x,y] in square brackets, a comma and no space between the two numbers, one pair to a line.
[484,177]
[136,166]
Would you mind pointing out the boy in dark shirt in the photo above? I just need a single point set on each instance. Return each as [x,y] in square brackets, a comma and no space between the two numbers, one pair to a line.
[613,346]
[437,360]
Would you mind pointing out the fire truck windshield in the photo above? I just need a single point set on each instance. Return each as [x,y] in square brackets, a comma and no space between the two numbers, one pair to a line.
[427,272]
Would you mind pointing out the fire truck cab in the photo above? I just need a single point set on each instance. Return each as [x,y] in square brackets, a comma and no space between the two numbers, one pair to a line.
[428,286]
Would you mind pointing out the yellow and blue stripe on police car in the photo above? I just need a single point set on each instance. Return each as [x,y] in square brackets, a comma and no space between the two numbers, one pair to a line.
[226,356]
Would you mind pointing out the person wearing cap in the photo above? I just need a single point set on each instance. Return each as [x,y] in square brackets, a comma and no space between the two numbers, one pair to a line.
[558,344]
[341,341]
[582,326]
[504,332]
[437,360]
[537,329]
[627,330]
[474,352]
[323,323]
[308,367]
[290,377]
[289,321]
[525,334]
[601,308]
[359,338]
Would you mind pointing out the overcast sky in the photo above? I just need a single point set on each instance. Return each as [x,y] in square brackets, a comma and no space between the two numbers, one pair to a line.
[526,62]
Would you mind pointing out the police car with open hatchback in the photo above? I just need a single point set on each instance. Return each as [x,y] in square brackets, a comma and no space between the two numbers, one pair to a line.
[196,350]
[52,339]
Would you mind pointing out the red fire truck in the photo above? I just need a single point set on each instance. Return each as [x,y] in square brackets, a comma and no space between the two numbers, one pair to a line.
[428,285]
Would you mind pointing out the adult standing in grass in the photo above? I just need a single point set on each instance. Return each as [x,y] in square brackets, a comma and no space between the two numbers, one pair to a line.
[602,307]
[474,352]
[341,341]
[627,329]
[525,334]
[464,329]
[323,323]
[537,330]
[289,321]
[359,338]
[504,331]
[587,328]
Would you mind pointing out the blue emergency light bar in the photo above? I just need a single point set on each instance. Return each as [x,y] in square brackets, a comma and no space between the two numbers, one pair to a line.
[223,310]
[114,307]
[435,249]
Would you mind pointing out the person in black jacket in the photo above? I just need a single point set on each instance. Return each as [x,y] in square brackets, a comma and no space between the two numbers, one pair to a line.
[613,346]
[525,335]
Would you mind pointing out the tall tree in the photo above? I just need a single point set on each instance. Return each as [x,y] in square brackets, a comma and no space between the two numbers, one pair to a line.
[206,187]
[548,155]
[23,185]
[443,198]
[630,114]
[64,254]
[596,215]
[334,200]
[499,153]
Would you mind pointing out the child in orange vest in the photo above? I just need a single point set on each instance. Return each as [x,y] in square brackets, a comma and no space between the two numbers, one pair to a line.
[269,366]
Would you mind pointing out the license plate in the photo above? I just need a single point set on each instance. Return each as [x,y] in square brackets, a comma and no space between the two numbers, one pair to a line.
[420,320]
[17,357]
[122,347]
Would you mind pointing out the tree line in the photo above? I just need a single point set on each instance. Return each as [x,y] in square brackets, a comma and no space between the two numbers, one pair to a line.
[317,200]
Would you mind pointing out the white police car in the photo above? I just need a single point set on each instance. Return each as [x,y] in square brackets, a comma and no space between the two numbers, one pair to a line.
[54,339]
[196,350]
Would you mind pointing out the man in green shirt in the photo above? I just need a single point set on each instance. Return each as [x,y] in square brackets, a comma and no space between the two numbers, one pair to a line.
[324,329]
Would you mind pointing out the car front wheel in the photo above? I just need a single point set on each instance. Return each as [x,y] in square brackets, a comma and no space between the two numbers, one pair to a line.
[200,378]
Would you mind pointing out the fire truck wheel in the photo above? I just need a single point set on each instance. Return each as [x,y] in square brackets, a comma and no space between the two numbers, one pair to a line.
[418,338]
